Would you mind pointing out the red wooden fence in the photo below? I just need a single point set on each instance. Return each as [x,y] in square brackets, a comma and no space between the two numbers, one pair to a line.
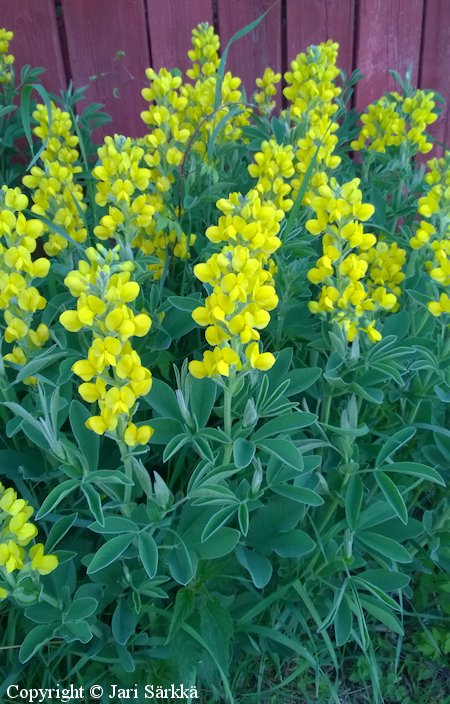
[108,44]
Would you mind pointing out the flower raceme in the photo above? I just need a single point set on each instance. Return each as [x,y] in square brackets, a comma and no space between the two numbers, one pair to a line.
[395,120]
[112,374]
[267,91]
[312,93]
[240,276]
[6,59]
[133,193]
[55,192]
[243,291]
[432,234]
[16,534]
[19,298]
[349,254]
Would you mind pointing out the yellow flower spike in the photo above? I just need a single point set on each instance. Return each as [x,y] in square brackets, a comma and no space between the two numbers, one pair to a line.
[44,564]
[3,593]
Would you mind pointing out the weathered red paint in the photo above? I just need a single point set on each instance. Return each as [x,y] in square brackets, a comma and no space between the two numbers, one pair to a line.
[170,25]
[249,56]
[374,35]
[389,38]
[96,31]
[434,71]
[36,39]
[314,21]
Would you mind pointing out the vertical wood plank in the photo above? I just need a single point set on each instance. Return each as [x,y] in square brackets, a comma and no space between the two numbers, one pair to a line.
[389,38]
[36,39]
[170,25]
[249,56]
[96,30]
[314,21]
[436,61]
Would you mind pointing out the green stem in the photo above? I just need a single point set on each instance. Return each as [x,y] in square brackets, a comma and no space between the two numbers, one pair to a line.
[227,419]
[326,407]
[128,467]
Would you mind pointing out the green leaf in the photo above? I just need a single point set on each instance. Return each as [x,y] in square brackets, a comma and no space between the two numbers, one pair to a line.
[43,613]
[221,70]
[184,607]
[392,495]
[353,500]
[258,566]
[243,518]
[148,552]
[386,580]
[385,546]
[303,188]
[184,303]
[175,444]
[343,622]
[216,521]
[163,400]
[298,493]
[220,544]
[414,469]
[123,622]
[87,440]
[35,640]
[58,531]
[109,476]
[81,609]
[296,543]
[284,451]
[75,630]
[382,614]
[182,563]
[26,123]
[302,379]
[94,502]
[38,364]
[165,429]
[284,424]
[394,443]
[56,496]
[243,452]
[109,552]
[202,398]
[378,593]
[115,524]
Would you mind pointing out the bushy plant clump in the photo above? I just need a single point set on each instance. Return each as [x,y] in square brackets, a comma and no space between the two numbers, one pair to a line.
[224,378]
